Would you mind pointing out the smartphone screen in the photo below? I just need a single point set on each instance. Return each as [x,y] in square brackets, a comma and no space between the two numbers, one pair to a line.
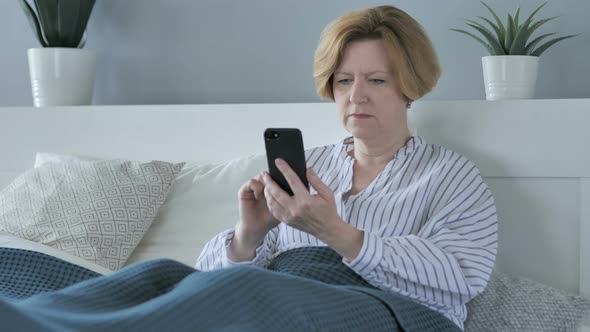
[287,144]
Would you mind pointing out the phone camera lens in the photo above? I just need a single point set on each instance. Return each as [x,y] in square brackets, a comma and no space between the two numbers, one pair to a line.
[271,134]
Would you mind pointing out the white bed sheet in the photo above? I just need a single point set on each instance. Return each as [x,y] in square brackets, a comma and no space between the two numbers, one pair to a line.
[11,241]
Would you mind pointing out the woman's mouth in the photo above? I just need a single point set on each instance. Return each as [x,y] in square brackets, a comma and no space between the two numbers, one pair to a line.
[359,116]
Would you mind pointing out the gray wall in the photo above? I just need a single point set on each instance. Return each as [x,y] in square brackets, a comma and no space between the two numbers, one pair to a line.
[237,51]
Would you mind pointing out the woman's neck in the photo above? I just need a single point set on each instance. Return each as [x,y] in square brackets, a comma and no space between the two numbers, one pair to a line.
[379,152]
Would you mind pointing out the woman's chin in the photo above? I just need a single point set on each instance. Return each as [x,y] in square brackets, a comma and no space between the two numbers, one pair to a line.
[361,133]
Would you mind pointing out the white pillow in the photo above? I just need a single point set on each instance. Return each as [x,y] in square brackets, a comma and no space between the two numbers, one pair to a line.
[203,201]
[42,158]
[98,211]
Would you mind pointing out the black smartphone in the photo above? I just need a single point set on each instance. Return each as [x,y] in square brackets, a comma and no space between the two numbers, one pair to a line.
[287,144]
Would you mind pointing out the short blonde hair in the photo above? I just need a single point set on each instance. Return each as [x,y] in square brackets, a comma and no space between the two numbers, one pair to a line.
[409,49]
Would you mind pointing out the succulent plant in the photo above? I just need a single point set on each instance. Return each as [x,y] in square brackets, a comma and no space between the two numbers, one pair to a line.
[512,38]
[59,23]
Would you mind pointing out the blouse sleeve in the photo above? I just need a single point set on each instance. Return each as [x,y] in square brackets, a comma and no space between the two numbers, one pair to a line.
[214,254]
[450,259]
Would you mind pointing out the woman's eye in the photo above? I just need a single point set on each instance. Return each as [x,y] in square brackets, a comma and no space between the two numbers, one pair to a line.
[376,81]
[344,81]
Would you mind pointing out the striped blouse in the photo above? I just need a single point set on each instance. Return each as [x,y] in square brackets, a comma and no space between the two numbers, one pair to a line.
[429,222]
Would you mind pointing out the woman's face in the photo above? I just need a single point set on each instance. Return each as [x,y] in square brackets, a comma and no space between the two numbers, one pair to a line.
[369,101]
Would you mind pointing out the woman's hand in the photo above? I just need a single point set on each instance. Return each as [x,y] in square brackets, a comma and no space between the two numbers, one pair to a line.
[314,214]
[255,220]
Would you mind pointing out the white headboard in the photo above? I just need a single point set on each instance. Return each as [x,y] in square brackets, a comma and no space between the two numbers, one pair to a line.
[532,153]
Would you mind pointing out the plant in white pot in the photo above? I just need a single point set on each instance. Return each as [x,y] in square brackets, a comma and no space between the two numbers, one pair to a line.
[510,72]
[62,73]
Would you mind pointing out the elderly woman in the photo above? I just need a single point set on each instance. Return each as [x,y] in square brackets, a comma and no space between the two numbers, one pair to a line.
[395,233]
[409,217]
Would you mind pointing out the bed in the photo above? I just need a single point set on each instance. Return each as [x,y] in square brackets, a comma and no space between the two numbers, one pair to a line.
[532,153]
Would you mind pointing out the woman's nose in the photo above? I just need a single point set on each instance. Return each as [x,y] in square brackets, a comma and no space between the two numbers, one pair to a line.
[358,94]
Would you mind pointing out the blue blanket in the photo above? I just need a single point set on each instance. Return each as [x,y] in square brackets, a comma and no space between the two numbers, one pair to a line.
[306,289]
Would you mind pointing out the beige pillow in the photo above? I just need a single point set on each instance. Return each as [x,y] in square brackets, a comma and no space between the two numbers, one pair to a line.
[202,203]
[97,210]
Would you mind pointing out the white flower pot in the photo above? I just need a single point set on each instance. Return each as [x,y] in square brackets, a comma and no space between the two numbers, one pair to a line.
[61,76]
[510,76]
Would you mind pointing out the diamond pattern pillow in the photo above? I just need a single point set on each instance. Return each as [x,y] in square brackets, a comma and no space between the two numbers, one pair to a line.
[96,210]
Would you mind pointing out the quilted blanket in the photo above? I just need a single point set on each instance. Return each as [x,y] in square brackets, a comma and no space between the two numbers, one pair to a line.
[306,289]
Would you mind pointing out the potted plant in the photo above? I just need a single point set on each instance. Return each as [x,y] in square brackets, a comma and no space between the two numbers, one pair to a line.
[510,72]
[62,73]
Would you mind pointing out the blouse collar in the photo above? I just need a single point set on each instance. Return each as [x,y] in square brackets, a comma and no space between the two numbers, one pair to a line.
[346,145]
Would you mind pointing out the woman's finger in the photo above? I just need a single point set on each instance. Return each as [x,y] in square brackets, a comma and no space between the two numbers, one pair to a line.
[277,192]
[257,187]
[292,178]
[272,204]
[252,189]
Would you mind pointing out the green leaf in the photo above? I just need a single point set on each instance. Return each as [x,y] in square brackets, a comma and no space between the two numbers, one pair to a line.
[530,18]
[68,12]
[486,45]
[472,23]
[83,18]
[520,39]
[499,33]
[515,27]
[33,21]
[537,24]
[548,44]
[535,41]
[64,21]
[522,33]
[498,21]
[498,50]
[513,37]
[509,34]
[82,42]
[47,10]
[73,19]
